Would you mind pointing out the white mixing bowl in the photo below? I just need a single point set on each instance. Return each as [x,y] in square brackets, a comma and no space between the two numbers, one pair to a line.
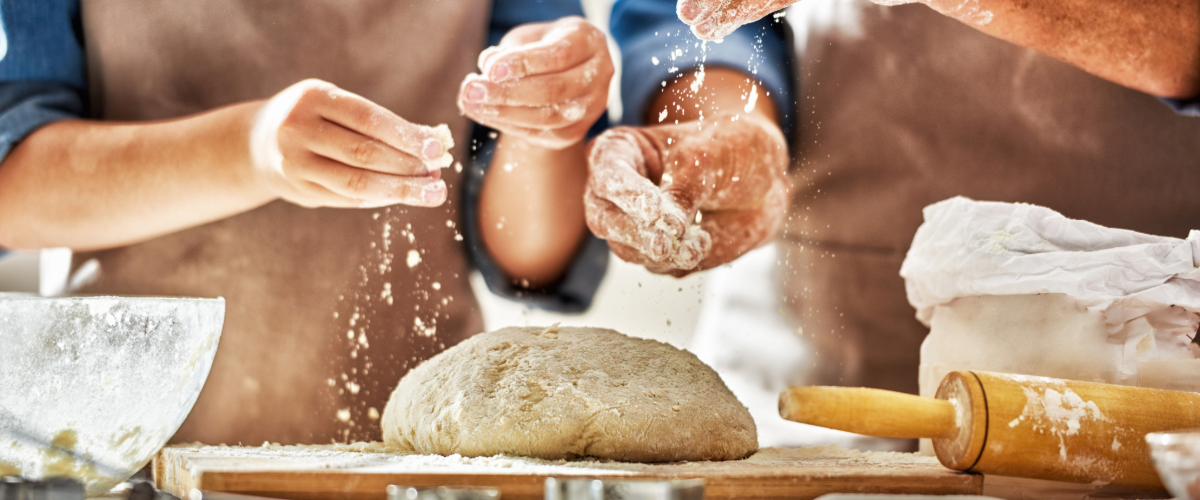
[108,379]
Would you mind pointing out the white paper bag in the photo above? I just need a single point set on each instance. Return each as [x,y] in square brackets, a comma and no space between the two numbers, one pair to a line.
[1095,303]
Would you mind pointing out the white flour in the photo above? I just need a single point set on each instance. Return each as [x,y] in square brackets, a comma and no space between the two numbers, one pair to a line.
[1055,409]
[376,457]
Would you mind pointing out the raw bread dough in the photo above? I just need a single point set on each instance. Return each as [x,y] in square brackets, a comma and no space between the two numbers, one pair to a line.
[568,392]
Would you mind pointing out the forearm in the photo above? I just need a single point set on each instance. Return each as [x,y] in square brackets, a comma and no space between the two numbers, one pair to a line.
[531,209]
[91,185]
[1152,46]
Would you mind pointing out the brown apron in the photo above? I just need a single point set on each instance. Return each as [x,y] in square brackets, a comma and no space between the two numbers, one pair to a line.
[325,308]
[921,108]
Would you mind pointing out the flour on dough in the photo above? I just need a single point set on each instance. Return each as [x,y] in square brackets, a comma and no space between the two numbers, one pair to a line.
[568,392]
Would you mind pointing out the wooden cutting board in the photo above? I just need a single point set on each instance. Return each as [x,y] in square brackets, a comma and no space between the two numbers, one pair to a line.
[363,471]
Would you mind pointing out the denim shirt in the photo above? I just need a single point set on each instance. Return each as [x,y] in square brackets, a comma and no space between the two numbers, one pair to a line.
[1186,107]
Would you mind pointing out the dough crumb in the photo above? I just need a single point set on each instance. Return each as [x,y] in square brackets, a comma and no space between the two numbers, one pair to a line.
[551,332]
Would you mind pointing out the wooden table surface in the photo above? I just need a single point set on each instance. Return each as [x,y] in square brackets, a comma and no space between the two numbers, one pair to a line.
[362,473]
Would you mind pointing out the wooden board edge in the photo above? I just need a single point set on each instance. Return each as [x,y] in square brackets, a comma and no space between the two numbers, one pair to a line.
[173,473]
[336,485]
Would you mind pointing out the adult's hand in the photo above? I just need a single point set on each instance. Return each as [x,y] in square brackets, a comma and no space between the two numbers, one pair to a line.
[315,145]
[546,82]
[716,19]
[687,197]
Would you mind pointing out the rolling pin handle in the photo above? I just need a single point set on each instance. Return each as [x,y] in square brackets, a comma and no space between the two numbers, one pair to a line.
[873,412]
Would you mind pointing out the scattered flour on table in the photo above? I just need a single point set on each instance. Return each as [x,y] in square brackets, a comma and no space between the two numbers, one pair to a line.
[377,456]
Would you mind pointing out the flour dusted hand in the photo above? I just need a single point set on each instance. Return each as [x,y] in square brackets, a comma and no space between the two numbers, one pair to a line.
[545,82]
[568,392]
[678,200]
[716,19]
[316,145]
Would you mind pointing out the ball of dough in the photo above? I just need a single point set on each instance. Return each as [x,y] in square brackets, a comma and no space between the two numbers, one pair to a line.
[568,392]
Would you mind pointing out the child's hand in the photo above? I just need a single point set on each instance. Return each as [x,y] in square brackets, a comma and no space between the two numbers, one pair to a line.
[317,145]
[678,200]
[545,82]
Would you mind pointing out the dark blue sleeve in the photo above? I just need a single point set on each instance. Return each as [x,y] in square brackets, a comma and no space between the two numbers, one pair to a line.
[574,291]
[656,47]
[42,74]
[1185,107]
[508,14]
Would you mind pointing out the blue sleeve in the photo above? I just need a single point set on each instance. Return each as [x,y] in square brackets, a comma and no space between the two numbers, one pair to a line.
[574,291]
[508,14]
[42,74]
[656,47]
[1185,107]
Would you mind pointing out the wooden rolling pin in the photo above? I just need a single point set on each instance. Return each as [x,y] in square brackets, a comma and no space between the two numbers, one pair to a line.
[1013,425]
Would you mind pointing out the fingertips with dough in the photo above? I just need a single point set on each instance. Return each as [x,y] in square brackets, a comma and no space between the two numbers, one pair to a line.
[694,247]
[655,243]
[675,216]
[436,149]
[616,166]
[607,221]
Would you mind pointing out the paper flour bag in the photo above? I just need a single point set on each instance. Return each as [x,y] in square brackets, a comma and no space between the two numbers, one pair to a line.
[1022,289]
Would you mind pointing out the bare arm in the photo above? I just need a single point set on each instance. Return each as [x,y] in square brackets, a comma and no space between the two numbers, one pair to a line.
[1148,45]
[91,185]
[531,209]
